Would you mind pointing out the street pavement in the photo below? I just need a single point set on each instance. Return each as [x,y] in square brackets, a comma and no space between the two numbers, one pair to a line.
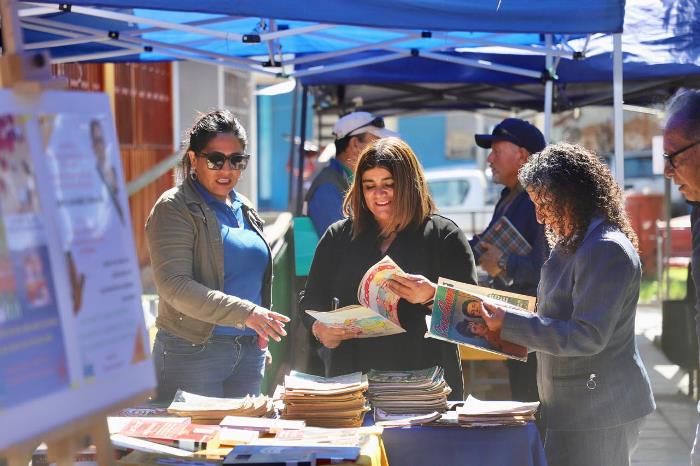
[668,433]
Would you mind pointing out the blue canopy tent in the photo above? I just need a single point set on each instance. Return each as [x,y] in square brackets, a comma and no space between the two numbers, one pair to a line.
[659,50]
[313,38]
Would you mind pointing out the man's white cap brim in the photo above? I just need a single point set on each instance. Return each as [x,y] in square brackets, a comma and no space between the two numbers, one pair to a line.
[379,132]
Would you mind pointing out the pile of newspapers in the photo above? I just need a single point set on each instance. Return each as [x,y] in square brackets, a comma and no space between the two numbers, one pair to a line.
[478,413]
[396,394]
[211,410]
[324,401]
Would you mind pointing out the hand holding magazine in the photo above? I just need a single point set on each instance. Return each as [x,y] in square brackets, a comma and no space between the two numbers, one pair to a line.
[456,317]
[377,313]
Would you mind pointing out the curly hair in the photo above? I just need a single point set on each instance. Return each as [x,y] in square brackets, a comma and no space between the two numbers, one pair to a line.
[574,186]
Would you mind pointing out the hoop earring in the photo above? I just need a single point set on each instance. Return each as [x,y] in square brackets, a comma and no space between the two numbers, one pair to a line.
[193,175]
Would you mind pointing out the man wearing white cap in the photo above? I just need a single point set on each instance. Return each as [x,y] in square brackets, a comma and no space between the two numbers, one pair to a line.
[325,195]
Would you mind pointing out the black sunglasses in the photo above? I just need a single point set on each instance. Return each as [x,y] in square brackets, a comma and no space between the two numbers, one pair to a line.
[670,157]
[378,122]
[216,160]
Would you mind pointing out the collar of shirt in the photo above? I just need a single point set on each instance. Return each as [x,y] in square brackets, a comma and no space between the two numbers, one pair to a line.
[218,205]
[348,173]
[212,201]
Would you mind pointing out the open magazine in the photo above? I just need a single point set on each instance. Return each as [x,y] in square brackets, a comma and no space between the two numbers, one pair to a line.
[456,317]
[377,314]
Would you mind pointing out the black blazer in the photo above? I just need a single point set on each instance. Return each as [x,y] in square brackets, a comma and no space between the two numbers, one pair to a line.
[438,248]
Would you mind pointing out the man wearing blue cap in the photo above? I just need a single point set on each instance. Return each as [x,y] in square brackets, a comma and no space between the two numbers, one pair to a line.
[512,142]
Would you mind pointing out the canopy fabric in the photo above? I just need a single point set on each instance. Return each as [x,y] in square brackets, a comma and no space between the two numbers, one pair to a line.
[463,53]
[542,16]
[661,52]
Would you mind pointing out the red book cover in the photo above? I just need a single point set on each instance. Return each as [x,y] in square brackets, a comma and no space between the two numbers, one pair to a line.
[187,436]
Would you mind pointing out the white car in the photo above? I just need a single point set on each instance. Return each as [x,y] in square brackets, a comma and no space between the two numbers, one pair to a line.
[462,194]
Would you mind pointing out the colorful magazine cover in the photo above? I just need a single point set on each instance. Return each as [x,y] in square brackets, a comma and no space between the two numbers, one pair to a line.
[456,317]
[377,313]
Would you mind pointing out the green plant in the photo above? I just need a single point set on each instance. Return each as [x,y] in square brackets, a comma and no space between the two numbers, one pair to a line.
[677,277]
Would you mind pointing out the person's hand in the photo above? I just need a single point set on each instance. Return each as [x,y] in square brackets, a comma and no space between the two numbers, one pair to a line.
[493,316]
[489,259]
[415,289]
[332,337]
[267,324]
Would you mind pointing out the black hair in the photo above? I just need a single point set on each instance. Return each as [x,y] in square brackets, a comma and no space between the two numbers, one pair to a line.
[574,186]
[206,128]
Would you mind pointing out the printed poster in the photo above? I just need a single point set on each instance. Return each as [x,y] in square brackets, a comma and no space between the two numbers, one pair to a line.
[72,334]
[32,352]
[83,159]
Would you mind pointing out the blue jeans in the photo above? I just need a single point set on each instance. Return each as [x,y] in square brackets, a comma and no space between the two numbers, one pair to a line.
[224,366]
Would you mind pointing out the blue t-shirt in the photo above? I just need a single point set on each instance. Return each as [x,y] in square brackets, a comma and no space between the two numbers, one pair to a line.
[245,255]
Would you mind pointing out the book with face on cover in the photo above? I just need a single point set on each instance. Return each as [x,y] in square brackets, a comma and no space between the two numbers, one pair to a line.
[457,318]
[377,314]
[505,237]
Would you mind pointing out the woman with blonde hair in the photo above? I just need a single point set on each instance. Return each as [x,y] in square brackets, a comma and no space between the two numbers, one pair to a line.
[390,213]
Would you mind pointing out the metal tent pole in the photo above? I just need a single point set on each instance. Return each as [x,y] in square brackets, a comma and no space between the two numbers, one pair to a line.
[618,116]
[302,141]
[292,145]
[548,90]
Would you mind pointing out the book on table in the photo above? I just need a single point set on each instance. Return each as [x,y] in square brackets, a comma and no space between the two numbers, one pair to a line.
[377,313]
[505,237]
[456,317]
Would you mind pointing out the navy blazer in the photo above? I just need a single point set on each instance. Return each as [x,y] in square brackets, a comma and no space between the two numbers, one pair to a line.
[523,270]
[590,374]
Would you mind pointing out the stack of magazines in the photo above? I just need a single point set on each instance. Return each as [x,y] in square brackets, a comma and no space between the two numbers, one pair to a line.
[325,401]
[478,413]
[211,410]
[405,393]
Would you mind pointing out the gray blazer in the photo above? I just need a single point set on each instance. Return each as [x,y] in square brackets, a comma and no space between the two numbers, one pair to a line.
[589,374]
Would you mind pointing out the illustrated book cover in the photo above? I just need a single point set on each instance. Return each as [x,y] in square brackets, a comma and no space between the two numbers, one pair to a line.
[377,314]
[456,317]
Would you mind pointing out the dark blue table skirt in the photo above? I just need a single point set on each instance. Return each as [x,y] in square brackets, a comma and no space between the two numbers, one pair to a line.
[443,446]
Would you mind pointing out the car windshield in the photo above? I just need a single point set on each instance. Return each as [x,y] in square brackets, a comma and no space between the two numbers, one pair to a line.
[448,193]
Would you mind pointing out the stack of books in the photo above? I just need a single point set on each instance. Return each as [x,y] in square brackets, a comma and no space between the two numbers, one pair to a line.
[211,410]
[325,401]
[478,413]
[406,393]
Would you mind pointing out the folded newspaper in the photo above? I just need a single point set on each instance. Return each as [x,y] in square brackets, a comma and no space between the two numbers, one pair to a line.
[457,318]
[377,313]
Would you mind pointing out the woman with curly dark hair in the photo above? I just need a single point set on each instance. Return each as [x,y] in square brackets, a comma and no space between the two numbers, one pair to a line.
[594,388]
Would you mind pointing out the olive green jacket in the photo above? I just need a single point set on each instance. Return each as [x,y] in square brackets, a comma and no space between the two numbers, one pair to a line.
[187,257]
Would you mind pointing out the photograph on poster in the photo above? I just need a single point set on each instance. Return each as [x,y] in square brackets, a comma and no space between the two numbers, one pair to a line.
[33,355]
[83,157]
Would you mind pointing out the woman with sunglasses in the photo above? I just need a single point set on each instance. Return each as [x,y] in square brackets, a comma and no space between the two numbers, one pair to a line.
[390,213]
[593,386]
[213,271]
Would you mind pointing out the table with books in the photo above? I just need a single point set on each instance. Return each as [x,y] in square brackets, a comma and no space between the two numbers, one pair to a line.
[411,406]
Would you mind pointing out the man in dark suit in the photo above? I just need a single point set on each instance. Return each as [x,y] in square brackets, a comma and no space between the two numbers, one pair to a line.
[682,165]
[512,142]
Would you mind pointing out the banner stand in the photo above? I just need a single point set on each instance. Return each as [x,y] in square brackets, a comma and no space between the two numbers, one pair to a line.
[29,74]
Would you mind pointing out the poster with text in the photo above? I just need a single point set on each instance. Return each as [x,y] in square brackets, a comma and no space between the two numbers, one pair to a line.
[73,339]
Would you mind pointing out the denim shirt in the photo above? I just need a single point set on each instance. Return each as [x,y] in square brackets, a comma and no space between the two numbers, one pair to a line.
[325,205]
